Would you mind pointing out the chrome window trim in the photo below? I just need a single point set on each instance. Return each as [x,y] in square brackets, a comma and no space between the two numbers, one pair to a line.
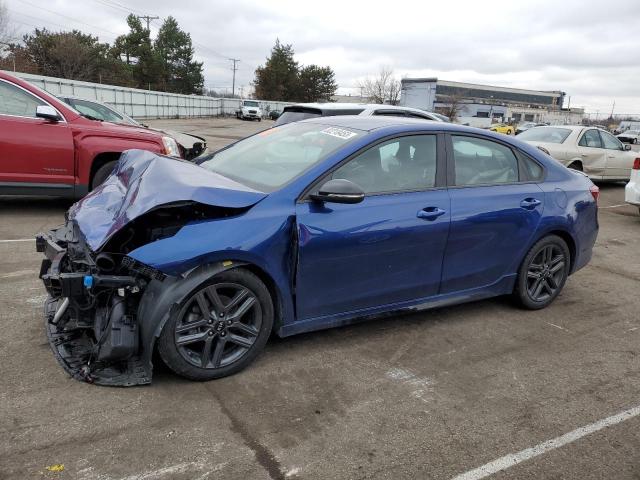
[64,120]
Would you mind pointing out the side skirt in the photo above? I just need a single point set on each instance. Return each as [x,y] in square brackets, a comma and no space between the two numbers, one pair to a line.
[502,287]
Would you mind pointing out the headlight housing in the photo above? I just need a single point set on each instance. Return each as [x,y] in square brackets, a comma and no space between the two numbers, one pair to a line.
[170,147]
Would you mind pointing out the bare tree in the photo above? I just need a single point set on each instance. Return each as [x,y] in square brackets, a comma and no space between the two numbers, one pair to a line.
[6,33]
[452,106]
[385,88]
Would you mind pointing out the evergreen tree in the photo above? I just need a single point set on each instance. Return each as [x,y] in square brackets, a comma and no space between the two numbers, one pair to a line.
[136,51]
[316,84]
[278,78]
[180,73]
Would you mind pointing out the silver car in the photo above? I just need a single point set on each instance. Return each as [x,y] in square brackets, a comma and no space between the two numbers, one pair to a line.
[591,150]
[302,111]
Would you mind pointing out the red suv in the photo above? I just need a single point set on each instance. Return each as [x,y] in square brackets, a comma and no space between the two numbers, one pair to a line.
[48,148]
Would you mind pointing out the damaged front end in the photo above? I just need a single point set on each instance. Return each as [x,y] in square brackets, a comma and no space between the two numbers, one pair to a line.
[91,311]
[105,308]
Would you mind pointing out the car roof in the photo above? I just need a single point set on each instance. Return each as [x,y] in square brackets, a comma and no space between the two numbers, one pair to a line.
[370,123]
[354,106]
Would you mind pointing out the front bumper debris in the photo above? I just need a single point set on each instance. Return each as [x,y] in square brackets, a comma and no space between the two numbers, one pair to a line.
[90,314]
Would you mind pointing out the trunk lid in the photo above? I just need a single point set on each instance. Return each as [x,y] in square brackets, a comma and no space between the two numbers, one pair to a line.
[143,181]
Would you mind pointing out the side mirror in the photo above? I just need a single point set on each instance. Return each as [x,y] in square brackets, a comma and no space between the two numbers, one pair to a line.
[627,146]
[339,190]
[47,112]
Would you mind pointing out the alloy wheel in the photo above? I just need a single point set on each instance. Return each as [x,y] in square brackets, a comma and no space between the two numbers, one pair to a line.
[218,325]
[545,273]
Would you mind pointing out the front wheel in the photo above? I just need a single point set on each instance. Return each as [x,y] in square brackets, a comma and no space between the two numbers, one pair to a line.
[220,328]
[102,174]
[543,273]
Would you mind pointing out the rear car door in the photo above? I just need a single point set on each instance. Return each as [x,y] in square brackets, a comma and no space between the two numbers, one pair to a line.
[385,250]
[496,207]
[591,152]
[619,161]
[36,154]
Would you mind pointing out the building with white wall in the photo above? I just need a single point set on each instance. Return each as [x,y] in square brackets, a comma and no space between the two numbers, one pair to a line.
[483,104]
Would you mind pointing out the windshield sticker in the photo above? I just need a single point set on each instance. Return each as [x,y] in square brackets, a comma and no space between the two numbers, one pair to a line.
[339,132]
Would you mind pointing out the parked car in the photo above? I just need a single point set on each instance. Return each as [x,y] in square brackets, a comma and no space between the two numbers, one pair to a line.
[632,190]
[274,114]
[595,152]
[249,110]
[190,146]
[527,125]
[48,148]
[502,128]
[630,136]
[309,225]
[302,111]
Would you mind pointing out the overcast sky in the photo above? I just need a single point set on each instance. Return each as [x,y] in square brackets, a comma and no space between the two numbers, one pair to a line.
[589,49]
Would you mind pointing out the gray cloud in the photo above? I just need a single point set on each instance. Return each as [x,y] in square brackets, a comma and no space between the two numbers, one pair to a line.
[585,48]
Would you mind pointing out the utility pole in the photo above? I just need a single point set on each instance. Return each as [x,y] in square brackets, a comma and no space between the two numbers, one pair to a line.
[234,68]
[612,109]
[148,19]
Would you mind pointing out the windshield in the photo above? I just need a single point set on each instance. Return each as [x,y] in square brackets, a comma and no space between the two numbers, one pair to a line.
[99,111]
[272,158]
[545,134]
[250,104]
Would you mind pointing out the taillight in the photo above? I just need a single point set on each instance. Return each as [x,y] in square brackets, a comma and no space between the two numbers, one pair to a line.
[595,192]
[636,164]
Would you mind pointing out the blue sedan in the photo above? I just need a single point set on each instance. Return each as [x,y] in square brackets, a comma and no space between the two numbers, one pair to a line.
[311,225]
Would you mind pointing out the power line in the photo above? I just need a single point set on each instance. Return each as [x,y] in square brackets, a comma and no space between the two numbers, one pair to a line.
[148,19]
[67,17]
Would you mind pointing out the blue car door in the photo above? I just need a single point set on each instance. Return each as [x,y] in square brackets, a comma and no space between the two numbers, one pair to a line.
[385,250]
[496,206]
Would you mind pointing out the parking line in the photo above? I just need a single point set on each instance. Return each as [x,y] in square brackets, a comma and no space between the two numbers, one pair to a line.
[616,206]
[18,240]
[512,459]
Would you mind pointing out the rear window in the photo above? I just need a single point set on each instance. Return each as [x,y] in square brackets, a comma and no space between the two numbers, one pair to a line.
[545,134]
[290,115]
[295,114]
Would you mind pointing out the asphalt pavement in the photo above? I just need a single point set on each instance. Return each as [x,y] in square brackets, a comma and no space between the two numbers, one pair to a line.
[455,392]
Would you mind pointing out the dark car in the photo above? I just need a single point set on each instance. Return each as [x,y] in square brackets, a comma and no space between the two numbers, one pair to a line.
[311,225]
[303,111]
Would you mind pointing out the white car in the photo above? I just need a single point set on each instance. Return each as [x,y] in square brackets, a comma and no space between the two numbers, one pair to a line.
[250,110]
[302,111]
[630,136]
[591,150]
[632,190]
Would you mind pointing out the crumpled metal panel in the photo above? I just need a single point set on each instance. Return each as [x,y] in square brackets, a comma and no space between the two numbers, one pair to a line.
[143,181]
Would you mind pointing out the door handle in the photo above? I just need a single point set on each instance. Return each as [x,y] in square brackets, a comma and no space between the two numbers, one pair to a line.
[430,213]
[530,203]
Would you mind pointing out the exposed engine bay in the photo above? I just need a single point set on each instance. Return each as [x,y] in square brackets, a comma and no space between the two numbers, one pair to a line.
[94,297]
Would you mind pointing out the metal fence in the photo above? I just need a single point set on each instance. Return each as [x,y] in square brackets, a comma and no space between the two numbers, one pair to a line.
[144,104]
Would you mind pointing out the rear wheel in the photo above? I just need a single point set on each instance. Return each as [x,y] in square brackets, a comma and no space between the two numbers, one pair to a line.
[102,174]
[220,328]
[543,273]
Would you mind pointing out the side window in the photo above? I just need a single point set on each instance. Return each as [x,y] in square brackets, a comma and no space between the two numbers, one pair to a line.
[530,169]
[96,110]
[417,115]
[483,162]
[591,138]
[610,142]
[17,102]
[402,164]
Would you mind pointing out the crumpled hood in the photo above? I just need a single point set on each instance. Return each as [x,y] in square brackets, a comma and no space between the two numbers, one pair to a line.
[143,181]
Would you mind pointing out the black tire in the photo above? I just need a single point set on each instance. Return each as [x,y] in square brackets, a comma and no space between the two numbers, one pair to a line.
[259,119]
[101,175]
[543,273]
[224,345]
